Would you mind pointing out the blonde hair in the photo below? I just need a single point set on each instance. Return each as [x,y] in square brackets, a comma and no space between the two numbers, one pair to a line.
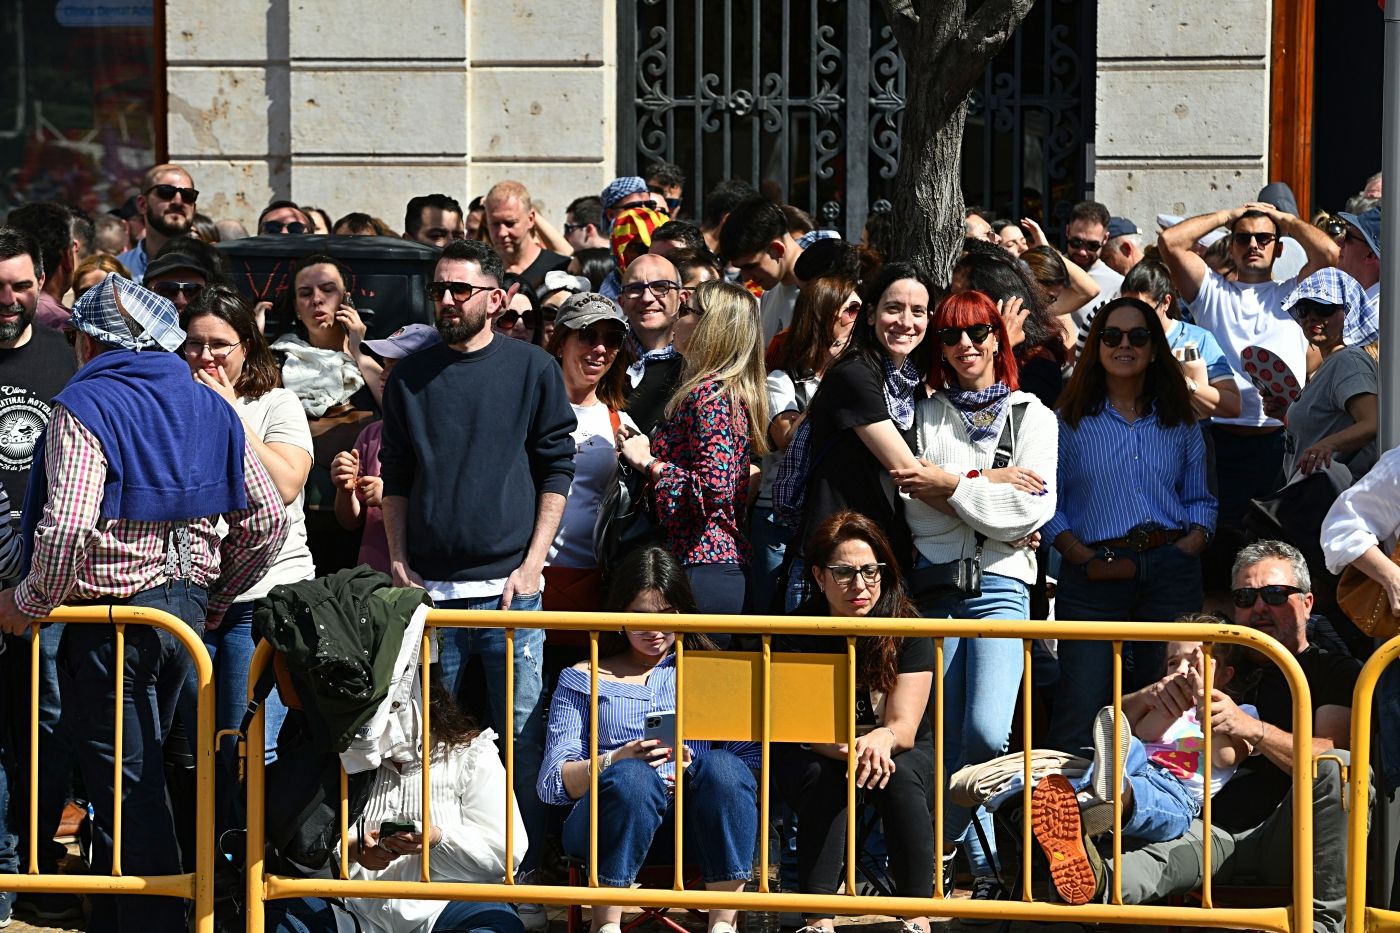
[725,348]
[1374,349]
[503,191]
[101,262]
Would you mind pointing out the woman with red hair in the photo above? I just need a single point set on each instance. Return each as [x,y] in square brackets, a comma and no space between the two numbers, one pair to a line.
[986,480]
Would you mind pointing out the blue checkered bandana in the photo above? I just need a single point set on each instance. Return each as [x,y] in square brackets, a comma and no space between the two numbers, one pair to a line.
[96,314]
[1332,286]
[620,188]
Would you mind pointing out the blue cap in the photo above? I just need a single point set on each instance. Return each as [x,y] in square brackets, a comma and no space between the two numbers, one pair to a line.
[1121,226]
[1369,224]
[405,341]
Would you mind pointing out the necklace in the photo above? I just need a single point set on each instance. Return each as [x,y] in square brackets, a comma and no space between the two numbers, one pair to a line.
[1129,413]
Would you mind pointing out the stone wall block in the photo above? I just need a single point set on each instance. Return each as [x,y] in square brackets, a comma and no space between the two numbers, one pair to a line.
[220,111]
[1182,111]
[380,190]
[234,189]
[378,112]
[551,187]
[1172,28]
[365,30]
[538,113]
[532,31]
[231,30]
[1142,191]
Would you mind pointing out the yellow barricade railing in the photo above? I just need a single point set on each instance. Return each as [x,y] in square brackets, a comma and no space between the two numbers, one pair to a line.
[725,678]
[197,886]
[1361,917]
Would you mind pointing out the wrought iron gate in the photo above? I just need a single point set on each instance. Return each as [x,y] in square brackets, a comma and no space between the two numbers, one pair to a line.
[807,96]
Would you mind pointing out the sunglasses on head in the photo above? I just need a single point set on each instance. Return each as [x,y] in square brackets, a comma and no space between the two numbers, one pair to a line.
[168,192]
[171,289]
[1275,594]
[1137,336]
[977,333]
[1242,238]
[609,337]
[277,226]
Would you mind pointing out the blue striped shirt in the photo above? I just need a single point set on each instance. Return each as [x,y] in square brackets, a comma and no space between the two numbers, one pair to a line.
[1115,476]
[622,709]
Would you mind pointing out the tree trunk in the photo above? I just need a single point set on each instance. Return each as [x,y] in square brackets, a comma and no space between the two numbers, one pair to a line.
[928,199]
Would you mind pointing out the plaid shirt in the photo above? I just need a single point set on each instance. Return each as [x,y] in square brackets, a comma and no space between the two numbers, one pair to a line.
[80,556]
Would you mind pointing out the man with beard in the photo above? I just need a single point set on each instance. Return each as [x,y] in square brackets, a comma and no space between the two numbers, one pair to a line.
[167,203]
[476,459]
[65,238]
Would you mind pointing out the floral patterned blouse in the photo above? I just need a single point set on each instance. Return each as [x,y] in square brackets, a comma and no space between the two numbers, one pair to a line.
[704,482]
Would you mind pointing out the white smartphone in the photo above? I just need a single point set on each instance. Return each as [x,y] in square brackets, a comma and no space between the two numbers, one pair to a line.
[661,725]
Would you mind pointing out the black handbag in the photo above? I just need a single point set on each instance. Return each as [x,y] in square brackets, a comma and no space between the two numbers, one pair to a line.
[623,523]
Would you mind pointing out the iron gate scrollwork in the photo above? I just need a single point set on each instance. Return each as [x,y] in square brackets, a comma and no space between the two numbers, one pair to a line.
[808,95]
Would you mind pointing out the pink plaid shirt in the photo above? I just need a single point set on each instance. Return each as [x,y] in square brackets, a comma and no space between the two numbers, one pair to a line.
[80,556]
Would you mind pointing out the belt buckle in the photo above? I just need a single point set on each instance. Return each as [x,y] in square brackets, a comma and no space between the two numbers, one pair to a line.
[1138,539]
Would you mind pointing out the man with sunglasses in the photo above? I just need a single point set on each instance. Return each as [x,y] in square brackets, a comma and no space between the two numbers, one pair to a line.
[1086,233]
[666,180]
[283,217]
[177,276]
[1253,814]
[1360,258]
[167,202]
[1247,311]
[624,192]
[651,299]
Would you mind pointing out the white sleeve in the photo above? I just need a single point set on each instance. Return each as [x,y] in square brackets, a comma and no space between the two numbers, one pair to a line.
[782,393]
[1365,515]
[473,842]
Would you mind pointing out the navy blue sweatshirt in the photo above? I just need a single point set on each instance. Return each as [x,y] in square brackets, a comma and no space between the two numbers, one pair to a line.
[472,440]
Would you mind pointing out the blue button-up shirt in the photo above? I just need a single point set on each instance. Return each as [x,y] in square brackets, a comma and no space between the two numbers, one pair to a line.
[1114,476]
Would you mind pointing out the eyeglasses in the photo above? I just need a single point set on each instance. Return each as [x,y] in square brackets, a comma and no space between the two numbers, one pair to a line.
[168,192]
[660,289]
[851,310]
[277,226]
[1138,336]
[845,575]
[194,349]
[673,205]
[570,228]
[461,291]
[610,337]
[1355,237]
[1275,594]
[977,333]
[171,289]
[1092,246]
[1243,239]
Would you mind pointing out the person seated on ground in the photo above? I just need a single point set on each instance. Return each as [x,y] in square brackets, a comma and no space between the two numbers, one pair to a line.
[1253,814]
[857,577]
[636,775]
[467,836]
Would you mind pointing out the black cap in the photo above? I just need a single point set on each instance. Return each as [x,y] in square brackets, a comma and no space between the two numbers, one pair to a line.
[128,209]
[177,259]
[820,258]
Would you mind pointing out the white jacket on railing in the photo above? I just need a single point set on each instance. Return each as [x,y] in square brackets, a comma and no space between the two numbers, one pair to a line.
[998,510]
[1365,516]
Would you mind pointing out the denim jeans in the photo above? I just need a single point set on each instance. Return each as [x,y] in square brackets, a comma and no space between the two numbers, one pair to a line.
[720,589]
[455,648]
[635,810]
[1167,584]
[155,669]
[9,855]
[770,541]
[314,915]
[981,679]
[1162,808]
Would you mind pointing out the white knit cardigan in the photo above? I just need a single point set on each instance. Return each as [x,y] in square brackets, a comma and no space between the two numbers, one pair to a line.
[998,510]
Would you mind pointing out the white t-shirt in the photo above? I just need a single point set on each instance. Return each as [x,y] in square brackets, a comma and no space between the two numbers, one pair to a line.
[278,418]
[775,310]
[1109,283]
[595,465]
[1181,753]
[782,396]
[1241,315]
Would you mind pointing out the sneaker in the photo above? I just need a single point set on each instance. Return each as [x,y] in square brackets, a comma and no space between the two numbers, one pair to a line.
[7,899]
[950,873]
[609,928]
[51,906]
[906,927]
[534,917]
[722,927]
[1103,753]
[1055,822]
[986,888]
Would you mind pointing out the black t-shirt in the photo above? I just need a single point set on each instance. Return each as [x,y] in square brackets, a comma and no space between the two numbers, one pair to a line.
[915,655]
[844,474]
[546,261]
[1040,376]
[30,376]
[646,404]
[1258,787]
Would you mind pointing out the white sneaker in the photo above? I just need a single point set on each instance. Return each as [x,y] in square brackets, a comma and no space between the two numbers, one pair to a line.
[722,927]
[609,928]
[534,917]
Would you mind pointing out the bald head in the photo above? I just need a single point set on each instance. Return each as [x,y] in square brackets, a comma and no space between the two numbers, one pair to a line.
[652,313]
[649,268]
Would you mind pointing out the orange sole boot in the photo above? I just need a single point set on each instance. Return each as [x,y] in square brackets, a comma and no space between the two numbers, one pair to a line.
[1056,825]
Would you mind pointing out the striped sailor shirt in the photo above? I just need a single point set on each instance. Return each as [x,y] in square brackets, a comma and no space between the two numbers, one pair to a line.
[622,710]
[1115,476]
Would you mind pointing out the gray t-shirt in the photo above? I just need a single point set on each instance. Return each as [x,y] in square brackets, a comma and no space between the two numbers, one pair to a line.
[1322,408]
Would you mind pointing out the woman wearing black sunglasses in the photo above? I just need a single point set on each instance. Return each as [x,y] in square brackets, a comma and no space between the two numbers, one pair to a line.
[1134,511]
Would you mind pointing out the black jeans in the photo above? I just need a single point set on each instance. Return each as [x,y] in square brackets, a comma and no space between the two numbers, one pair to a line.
[815,787]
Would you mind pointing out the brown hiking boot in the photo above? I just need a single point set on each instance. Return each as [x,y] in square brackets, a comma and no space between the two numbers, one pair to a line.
[1057,827]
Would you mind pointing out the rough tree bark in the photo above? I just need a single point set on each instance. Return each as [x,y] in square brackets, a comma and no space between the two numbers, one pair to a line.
[946,47]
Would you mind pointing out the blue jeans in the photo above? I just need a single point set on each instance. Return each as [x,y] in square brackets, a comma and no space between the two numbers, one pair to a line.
[721,818]
[155,669]
[1162,807]
[231,649]
[314,915]
[981,679]
[9,855]
[455,648]
[1167,584]
[770,541]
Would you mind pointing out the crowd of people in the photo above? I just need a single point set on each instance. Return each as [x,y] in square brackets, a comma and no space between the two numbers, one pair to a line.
[1120,429]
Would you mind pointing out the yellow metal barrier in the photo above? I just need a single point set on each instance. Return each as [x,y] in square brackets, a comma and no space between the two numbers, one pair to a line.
[1360,917]
[738,697]
[198,886]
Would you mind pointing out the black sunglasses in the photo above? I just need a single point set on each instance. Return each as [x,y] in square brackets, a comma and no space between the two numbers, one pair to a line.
[277,226]
[1092,246]
[168,192]
[1242,239]
[609,337]
[1309,307]
[171,289]
[508,318]
[977,333]
[1275,594]
[461,291]
[1138,336]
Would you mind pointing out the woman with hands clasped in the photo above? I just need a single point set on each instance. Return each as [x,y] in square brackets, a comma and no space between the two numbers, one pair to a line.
[968,507]
[636,775]
[858,577]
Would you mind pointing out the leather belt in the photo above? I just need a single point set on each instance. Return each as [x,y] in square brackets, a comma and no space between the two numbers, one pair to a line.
[1142,538]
